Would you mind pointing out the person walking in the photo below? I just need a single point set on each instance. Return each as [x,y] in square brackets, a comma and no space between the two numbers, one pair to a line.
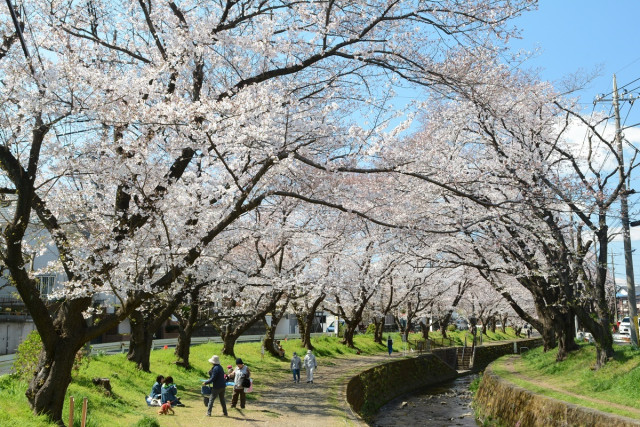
[218,384]
[239,376]
[310,365]
[389,345]
[295,367]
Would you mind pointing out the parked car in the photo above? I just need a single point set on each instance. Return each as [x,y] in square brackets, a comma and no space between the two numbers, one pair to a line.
[625,326]
[332,326]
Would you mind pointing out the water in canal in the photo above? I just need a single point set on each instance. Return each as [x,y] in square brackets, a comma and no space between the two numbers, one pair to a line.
[447,404]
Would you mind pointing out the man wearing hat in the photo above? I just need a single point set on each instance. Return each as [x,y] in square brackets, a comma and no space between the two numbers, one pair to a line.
[241,372]
[310,365]
[218,384]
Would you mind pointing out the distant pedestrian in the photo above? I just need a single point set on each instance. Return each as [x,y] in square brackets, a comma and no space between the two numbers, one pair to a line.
[240,378]
[295,367]
[389,344]
[218,384]
[528,332]
[310,365]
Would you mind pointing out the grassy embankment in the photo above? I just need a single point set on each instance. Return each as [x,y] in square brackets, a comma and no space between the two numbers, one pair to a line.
[574,380]
[127,405]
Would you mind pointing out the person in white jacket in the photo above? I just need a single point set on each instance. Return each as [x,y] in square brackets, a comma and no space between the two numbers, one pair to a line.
[310,365]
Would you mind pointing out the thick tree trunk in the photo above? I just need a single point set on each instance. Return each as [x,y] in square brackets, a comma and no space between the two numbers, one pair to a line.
[46,392]
[379,329]
[143,326]
[269,338]
[565,332]
[305,316]
[425,330]
[183,349]
[228,343]
[444,323]
[141,342]
[407,329]
[349,332]
[305,332]
[186,327]
[601,335]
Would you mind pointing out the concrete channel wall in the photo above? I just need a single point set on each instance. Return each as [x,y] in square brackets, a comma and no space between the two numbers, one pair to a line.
[511,405]
[486,354]
[369,390]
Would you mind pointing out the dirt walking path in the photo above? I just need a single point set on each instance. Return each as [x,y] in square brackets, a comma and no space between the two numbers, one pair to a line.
[281,402]
[511,365]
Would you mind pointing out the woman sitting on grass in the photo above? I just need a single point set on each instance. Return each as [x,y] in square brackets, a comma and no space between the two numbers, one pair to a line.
[169,392]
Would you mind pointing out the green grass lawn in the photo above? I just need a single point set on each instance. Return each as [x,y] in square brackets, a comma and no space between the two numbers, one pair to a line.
[458,337]
[617,382]
[127,406]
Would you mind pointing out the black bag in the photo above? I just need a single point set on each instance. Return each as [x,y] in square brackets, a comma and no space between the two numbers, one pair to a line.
[246,382]
[206,390]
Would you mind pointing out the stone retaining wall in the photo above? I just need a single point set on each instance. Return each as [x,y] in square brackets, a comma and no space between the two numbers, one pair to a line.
[369,390]
[486,354]
[512,405]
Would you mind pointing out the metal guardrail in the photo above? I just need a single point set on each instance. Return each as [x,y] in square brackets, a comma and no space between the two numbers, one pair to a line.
[6,361]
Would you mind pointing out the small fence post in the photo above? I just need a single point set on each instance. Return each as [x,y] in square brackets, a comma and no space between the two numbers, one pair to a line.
[71,404]
[84,412]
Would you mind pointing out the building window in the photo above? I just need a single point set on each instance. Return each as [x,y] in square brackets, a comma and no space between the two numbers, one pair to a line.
[46,284]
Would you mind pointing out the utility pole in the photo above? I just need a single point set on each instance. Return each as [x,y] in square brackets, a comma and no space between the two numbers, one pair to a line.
[624,211]
[615,289]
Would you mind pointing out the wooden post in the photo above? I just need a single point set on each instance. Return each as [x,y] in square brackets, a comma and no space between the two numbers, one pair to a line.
[71,402]
[84,412]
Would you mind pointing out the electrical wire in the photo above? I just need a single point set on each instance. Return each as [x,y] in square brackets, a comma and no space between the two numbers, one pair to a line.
[621,87]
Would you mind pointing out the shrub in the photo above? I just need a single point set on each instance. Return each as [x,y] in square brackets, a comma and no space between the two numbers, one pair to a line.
[26,361]
[371,328]
[451,328]
[147,421]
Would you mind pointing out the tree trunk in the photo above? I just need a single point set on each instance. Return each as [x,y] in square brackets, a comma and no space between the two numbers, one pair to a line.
[444,323]
[269,338]
[183,349]
[425,330]
[141,342]
[46,392]
[565,333]
[305,318]
[305,336]
[144,325]
[349,332]
[379,329]
[228,343]
[186,327]
[308,325]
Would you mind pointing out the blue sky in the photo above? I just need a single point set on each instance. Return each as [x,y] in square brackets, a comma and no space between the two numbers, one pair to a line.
[573,35]
[584,34]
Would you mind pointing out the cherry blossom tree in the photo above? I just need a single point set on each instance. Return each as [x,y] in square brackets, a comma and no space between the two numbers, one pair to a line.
[138,132]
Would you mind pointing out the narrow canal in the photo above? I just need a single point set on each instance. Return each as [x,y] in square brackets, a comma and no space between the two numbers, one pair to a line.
[447,404]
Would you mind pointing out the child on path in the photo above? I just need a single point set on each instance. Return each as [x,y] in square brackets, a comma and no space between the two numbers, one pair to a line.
[295,367]
[310,365]
[389,344]
[241,372]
